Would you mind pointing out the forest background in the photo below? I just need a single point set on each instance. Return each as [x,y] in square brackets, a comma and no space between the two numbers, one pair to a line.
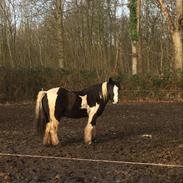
[76,43]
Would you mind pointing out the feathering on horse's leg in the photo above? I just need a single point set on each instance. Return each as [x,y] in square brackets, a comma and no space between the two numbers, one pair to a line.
[93,122]
[46,138]
[89,131]
[53,132]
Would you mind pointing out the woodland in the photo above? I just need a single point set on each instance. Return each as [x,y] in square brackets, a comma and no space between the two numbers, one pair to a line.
[75,43]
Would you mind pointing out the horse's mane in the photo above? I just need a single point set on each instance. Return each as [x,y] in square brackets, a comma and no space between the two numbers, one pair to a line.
[98,89]
[104,91]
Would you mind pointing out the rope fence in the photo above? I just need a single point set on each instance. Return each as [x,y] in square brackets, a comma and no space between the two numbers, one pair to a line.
[91,160]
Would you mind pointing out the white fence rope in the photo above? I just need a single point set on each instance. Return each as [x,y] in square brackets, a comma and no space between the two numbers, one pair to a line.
[92,160]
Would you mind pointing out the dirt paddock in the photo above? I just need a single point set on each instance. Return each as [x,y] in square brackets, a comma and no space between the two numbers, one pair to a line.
[150,133]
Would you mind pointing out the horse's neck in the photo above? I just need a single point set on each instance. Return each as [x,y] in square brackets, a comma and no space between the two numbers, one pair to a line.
[95,92]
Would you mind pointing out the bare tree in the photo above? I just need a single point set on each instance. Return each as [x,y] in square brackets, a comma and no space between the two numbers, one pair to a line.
[9,30]
[60,32]
[135,11]
[175,30]
[90,35]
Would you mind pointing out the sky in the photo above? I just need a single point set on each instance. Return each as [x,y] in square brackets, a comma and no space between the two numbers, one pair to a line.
[123,10]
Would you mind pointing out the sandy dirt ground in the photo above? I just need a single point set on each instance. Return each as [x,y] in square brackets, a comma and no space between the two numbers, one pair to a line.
[151,133]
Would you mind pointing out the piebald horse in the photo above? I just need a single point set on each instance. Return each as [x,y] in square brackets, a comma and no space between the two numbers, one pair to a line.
[58,102]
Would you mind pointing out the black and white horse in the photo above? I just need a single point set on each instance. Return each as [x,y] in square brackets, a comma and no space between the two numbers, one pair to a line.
[56,103]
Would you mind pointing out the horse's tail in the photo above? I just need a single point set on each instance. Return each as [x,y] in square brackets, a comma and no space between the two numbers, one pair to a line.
[41,116]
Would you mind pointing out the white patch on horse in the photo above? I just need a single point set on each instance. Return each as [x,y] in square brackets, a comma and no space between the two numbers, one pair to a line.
[46,139]
[104,90]
[89,128]
[115,91]
[52,96]
[84,103]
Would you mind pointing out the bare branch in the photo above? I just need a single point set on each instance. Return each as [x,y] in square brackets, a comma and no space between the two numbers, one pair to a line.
[166,13]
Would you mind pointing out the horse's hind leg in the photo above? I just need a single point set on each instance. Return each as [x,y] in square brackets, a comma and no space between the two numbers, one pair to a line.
[46,138]
[50,136]
[53,132]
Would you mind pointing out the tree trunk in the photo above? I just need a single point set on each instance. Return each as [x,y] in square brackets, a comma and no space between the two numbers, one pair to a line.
[135,9]
[177,37]
[134,57]
[175,31]
[59,32]
[161,57]
[178,49]
[139,51]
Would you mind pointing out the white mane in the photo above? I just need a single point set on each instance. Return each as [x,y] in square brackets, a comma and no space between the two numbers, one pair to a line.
[104,90]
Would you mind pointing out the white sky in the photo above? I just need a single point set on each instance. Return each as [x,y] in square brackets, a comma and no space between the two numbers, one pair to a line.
[123,10]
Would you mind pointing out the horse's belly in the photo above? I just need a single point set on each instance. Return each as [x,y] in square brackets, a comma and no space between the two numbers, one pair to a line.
[76,113]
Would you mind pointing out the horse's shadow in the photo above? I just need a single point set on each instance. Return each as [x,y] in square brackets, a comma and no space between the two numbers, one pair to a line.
[111,136]
[100,138]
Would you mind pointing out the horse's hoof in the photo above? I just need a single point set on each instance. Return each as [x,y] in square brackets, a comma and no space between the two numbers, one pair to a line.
[46,144]
[55,143]
[88,143]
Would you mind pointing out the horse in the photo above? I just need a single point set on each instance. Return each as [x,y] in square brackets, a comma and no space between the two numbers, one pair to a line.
[55,103]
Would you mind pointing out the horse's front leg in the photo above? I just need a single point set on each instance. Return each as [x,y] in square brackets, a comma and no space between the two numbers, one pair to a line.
[90,129]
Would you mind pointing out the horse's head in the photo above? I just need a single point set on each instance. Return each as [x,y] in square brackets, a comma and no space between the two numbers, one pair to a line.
[113,87]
